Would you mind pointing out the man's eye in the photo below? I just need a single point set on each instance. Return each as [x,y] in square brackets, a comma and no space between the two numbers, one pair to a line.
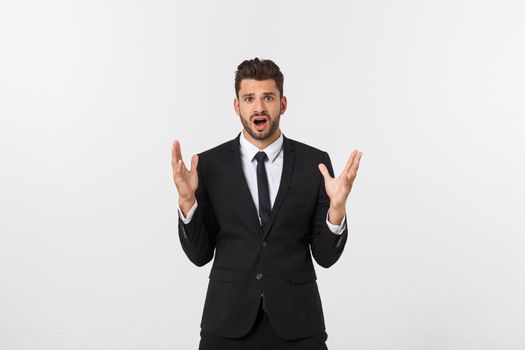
[248,99]
[269,98]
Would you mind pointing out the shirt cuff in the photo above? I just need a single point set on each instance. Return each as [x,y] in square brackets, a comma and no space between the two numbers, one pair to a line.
[336,229]
[187,219]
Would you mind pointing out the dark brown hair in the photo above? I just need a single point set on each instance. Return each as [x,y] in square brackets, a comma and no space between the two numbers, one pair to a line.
[259,70]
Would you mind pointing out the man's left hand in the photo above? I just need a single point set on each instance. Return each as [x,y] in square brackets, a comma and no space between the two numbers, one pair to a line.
[339,188]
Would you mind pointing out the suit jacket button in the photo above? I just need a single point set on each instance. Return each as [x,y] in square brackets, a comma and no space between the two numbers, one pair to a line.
[264,244]
[259,276]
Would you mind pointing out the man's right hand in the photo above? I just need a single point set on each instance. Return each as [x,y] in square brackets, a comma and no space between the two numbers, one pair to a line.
[185,180]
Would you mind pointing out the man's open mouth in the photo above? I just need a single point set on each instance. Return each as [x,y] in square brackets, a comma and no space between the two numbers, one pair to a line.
[261,123]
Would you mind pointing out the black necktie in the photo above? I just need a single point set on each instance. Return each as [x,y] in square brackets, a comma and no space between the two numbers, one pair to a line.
[262,187]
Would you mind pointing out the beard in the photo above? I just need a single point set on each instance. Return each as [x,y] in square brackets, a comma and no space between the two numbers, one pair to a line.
[272,127]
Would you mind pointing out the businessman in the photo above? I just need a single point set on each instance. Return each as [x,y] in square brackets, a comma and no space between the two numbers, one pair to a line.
[263,204]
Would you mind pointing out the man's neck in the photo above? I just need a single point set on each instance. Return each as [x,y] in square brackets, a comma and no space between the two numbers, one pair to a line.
[262,144]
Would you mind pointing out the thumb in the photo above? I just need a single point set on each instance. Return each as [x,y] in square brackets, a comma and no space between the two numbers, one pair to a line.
[194,162]
[324,171]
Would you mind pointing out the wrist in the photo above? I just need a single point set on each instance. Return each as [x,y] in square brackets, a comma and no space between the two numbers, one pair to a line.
[337,206]
[336,214]
[185,204]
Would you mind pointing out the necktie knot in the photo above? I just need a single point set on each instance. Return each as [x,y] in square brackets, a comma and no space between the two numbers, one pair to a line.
[260,156]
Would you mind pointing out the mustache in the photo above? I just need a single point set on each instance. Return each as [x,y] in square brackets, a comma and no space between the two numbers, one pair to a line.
[263,114]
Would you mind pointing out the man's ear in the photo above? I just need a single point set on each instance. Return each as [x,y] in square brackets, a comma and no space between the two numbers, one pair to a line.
[284,104]
[236,105]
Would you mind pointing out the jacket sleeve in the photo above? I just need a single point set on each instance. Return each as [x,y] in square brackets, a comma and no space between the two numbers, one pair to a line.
[198,237]
[326,246]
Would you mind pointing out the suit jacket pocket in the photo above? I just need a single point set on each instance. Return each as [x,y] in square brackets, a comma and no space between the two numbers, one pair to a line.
[221,275]
[303,277]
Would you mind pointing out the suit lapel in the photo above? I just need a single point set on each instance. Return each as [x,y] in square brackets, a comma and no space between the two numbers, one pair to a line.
[286,177]
[239,182]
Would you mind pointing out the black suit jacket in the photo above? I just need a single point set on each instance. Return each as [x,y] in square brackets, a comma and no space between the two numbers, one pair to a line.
[248,260]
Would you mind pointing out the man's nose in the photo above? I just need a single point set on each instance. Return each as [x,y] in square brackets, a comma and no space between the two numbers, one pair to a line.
[259,106]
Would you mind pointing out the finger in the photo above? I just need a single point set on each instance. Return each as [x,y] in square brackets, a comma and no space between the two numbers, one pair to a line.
[175,167]
[180,169]
[352,173]
[178,148]
[358,161]
[349,162]
[324,171]
[194,162]
[175,152]
[179,156]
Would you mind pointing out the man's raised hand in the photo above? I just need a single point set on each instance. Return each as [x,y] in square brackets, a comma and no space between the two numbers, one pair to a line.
[185,180]
[339,188]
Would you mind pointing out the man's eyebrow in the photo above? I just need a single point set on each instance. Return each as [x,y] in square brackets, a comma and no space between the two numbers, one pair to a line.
[251,94]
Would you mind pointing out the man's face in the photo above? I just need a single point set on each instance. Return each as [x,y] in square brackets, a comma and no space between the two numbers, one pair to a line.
[259,107]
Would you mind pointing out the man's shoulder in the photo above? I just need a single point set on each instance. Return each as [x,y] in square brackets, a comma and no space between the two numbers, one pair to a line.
[218,150]
[302,147]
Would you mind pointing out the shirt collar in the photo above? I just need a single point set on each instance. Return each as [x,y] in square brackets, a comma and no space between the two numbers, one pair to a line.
[249,150]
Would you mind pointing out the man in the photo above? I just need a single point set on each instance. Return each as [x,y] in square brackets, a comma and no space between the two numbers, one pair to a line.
[261,202]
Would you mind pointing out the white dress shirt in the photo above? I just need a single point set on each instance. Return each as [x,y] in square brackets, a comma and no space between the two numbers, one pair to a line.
[274,169]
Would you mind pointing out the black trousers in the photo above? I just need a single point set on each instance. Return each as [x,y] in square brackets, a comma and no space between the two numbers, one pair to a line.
[262,337]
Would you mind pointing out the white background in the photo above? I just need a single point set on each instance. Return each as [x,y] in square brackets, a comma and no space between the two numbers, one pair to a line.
[93,93]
